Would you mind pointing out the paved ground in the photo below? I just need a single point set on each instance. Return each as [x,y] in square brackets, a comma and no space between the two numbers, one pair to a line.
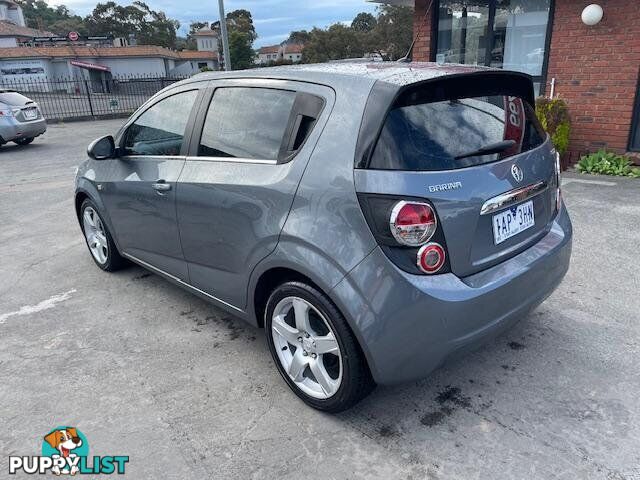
[147,370]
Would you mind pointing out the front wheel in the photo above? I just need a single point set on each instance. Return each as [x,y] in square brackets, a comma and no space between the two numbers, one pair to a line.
[315,351]
[99,240]
[24,141]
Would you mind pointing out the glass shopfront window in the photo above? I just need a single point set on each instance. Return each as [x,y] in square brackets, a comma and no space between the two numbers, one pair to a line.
[508,34]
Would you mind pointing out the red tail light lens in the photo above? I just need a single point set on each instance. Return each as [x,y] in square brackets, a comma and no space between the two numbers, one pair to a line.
[431,258]
[412,223]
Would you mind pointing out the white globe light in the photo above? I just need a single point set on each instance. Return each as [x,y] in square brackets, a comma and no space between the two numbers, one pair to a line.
[592,14]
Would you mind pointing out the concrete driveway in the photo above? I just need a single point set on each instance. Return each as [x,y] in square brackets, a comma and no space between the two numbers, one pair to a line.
[147,370]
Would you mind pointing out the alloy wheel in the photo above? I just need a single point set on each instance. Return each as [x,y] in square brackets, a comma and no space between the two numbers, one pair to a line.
[307,347]
[95,234]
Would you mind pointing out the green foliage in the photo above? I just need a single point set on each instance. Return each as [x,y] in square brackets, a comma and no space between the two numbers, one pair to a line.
[390,33]
[240,50]
[336,42]
[364,22]
[608,163]
[149,26]
[554,117]
[38,14]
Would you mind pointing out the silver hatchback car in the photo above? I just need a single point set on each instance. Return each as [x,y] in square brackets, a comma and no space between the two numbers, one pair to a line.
[20,118]
[376,219]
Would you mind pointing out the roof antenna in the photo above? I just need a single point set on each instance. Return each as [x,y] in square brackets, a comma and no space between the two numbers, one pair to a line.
[408,58]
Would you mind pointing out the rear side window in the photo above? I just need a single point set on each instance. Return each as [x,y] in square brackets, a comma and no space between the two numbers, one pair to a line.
[456,133]
[245,122]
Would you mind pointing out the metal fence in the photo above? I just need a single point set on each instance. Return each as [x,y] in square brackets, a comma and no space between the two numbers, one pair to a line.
[68,98]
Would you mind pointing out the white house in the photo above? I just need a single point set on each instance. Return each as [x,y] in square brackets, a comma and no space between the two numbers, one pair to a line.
[285,51]
[13,29]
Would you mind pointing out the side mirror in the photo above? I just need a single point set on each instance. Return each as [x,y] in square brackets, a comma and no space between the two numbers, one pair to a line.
[102,148]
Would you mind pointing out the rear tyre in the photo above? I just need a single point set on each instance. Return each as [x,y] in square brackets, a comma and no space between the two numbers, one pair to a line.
[314,349]
[99,240]
[24,141]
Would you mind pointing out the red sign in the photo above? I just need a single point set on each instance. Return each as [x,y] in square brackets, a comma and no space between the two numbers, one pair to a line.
[73,36]
[514,124]
[90,66]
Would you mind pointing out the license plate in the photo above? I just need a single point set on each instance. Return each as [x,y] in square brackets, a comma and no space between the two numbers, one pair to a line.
[30,113]
[511,222]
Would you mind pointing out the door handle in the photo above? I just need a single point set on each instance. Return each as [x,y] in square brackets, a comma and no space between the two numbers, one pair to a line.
[161,186]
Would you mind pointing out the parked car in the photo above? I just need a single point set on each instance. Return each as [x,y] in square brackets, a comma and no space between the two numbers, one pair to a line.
[20,118]
[375,218]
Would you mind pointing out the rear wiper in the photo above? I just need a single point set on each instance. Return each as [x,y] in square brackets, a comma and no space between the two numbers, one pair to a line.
[488,149]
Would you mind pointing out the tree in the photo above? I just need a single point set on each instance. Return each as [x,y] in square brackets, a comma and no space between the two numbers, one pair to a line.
[393,32]
[364,22]
[242,34]
[336,42]
[299,37]
[149,27]
[38,14]
[240,50]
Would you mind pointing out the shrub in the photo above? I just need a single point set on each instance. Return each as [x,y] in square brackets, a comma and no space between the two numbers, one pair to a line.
[554,117]
[608,163]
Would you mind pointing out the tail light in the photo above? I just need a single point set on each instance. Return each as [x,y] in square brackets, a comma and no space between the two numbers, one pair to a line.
[408,232]
[412,223]
[431,258]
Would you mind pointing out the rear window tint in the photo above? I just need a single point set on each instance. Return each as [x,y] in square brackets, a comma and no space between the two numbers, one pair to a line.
[431,135]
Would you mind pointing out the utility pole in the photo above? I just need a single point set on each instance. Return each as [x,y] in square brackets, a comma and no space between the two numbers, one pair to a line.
[225,37]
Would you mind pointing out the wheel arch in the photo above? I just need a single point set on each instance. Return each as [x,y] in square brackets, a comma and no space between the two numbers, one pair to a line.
[86,190]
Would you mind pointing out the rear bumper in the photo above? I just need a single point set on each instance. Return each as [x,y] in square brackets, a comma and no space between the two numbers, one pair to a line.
[11,129]
[408,325]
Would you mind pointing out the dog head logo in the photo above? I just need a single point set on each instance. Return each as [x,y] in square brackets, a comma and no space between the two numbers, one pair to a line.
[67,443]
[64,440]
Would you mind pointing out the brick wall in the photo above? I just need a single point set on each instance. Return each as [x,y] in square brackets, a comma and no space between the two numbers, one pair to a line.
[596,71]
[422,21]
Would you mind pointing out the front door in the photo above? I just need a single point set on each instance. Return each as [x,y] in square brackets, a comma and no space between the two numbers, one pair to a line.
[141,194]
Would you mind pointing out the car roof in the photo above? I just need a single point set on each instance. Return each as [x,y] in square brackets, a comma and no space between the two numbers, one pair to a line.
[335,73]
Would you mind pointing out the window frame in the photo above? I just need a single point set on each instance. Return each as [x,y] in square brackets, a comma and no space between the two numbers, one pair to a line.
[492,5]
[153,101]
[634,133]
[290,130]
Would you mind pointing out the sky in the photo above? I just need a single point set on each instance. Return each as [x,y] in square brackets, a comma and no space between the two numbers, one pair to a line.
[273,19]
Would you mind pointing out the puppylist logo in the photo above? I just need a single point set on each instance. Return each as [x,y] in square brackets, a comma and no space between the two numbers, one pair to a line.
[65,451]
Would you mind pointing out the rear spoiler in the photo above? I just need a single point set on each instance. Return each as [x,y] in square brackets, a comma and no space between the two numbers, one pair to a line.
[384,96]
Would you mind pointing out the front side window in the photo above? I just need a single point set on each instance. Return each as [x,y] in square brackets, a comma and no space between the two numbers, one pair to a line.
[160,129]
[245,122]
[456,133]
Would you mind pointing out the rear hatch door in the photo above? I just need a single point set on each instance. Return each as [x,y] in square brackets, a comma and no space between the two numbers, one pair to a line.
[476,151]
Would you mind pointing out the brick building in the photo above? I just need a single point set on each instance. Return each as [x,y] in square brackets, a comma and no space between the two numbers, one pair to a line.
[594,68]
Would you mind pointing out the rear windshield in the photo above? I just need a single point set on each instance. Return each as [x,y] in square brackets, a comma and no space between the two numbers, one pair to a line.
[451,134]
[13,98]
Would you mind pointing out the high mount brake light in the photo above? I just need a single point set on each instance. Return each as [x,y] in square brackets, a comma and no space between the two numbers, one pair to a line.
[412,223]
[431,258]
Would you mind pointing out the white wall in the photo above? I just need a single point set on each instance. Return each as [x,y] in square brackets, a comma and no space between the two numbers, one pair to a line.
[13,72]
[207,44]
[8,42]
[123,67]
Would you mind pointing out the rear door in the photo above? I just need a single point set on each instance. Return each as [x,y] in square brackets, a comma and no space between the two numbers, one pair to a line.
[475,150]
[253,141]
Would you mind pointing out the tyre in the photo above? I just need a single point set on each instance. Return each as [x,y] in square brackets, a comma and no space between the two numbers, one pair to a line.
[314,349]
[99,241]
[24,141]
